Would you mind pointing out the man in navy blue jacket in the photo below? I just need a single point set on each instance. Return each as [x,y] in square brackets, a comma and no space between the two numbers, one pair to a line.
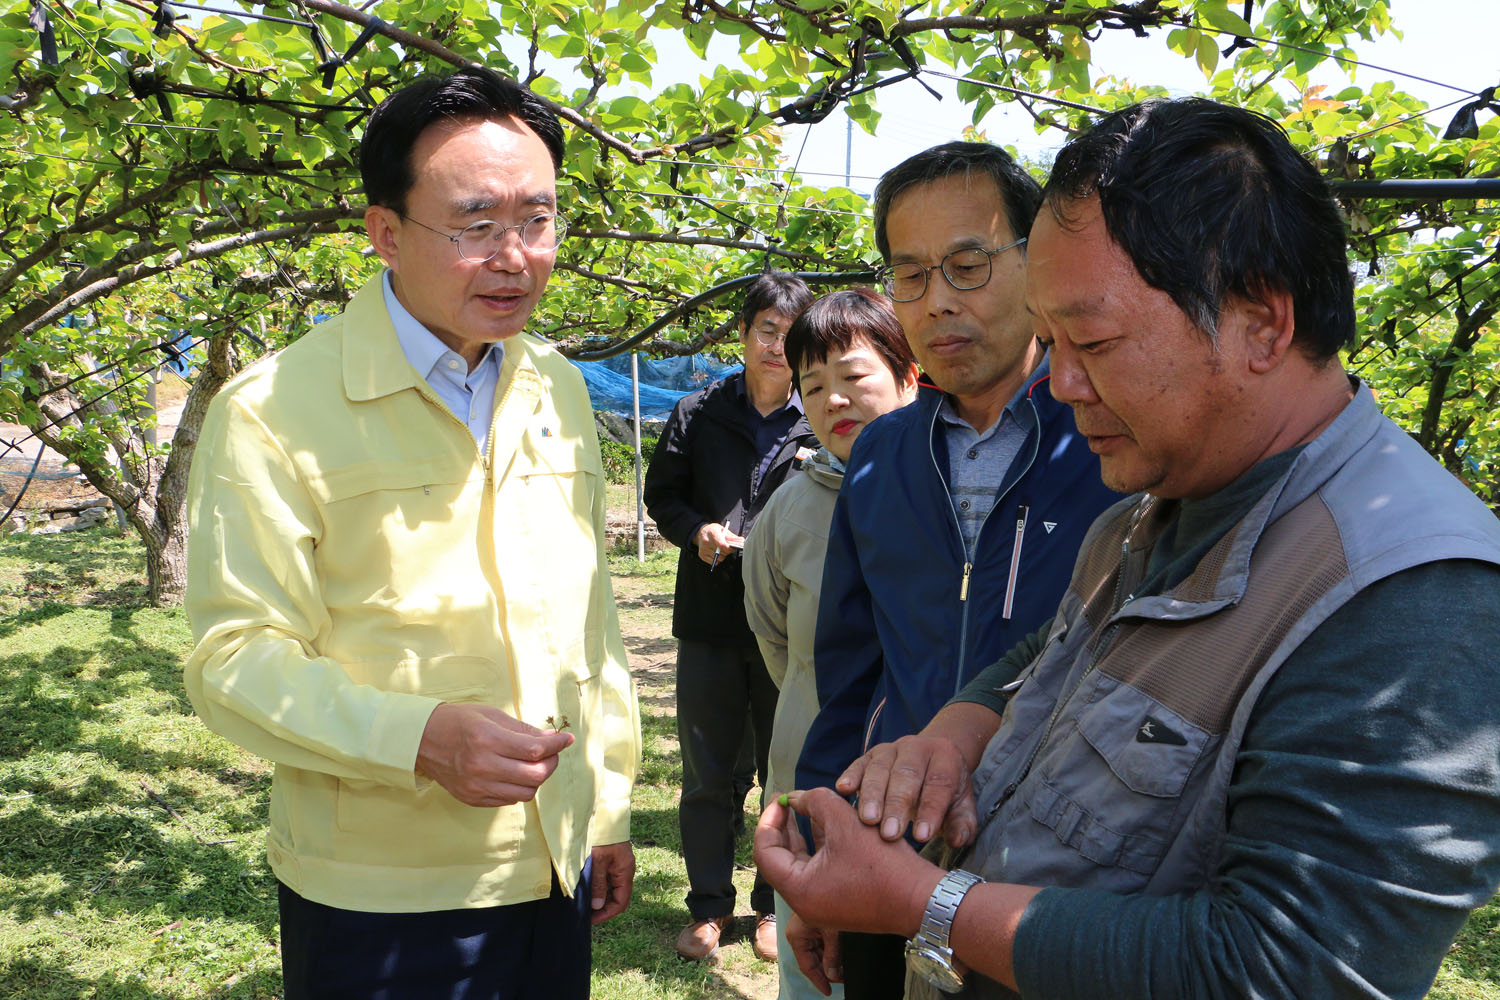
[960,516]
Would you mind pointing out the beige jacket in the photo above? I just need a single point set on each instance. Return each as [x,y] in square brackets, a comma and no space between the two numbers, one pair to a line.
[783,576]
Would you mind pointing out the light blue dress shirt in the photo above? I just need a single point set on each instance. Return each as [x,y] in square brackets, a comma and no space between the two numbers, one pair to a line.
[470,395]
[979,464]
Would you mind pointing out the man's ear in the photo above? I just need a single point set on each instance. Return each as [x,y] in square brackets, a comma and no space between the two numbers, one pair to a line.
[1268,326]
[382,224]
[908,385]
[744,330]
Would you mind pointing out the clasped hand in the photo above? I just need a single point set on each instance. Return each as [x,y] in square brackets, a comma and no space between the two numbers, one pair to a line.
[921,780]
[855,882]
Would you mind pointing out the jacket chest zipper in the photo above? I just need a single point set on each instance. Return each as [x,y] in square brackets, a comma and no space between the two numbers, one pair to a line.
[1098,654]
[481,450]
[757,480]
[1015,561]
[963,583]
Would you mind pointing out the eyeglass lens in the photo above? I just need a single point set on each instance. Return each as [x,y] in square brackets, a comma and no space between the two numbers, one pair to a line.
[481,241]
[965,269]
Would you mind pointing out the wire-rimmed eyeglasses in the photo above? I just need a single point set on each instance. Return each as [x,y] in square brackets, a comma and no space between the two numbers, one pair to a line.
[965,270]
[480,241]
[770,338]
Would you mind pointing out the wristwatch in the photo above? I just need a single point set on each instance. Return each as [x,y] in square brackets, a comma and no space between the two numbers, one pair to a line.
[928,954]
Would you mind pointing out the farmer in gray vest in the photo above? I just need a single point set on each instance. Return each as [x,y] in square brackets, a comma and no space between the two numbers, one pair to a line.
[1257,751]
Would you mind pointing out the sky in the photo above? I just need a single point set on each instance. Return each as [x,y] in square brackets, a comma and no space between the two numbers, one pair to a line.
[1453,42]
[1456,42]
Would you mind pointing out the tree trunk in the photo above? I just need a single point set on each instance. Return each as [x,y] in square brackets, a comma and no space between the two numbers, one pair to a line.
[159,520]
[166,542]
[1466,333]
[166,566]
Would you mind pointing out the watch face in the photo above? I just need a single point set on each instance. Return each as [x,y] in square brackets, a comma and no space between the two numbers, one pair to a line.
[933,966]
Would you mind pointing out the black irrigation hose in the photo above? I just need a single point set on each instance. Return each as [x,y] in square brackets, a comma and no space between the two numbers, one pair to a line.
[29,477]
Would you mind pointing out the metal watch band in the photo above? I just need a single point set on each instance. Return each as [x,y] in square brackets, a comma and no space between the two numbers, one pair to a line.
[937,920]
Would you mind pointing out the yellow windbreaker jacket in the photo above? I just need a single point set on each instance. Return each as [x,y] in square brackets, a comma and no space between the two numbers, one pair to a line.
[353,561]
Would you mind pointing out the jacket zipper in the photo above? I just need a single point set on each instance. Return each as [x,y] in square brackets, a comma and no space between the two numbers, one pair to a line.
[1094,659]
[870,729]
[1015,561]
[792,440]
[427,393]
[963,583]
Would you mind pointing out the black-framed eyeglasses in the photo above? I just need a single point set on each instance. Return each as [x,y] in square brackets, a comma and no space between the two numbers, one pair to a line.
[480,242]
[965,270]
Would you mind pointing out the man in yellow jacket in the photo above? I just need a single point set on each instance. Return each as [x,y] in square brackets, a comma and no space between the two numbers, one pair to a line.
[399,592]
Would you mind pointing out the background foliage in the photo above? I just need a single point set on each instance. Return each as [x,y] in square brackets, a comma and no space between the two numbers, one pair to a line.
[169,169]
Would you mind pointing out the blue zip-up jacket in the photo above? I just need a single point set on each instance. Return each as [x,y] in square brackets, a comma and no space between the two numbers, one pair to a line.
[904,620]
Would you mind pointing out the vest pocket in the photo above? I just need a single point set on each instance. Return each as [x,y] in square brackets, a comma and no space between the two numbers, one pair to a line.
[1149,747]
[1110,785]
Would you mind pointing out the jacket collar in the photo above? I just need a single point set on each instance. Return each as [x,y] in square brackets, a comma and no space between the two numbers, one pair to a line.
[1033,388]
[1310,470]
[824,469]
[517,397]
[376,366]
[738,387]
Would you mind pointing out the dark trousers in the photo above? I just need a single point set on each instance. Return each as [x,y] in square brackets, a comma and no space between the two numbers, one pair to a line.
[874,966]
[525,951]
[715,684]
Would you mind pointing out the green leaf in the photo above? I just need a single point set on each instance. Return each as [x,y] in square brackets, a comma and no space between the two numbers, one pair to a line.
[1328,123]
[634,62]
[128,38]
[1207,55]
[251,135]
[1218,14]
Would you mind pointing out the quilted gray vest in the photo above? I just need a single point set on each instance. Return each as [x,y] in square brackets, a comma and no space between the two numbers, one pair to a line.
[1116,750]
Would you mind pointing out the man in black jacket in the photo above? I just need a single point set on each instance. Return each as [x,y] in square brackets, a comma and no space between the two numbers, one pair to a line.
[724,451]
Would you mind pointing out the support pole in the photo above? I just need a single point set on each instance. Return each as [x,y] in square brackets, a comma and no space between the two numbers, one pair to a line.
[848,147]
[640,503]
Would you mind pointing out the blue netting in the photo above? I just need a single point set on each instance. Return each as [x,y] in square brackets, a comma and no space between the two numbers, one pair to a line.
[663,382]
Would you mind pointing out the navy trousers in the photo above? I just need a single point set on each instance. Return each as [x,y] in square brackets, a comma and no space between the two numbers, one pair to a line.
[874,966]
[526,951]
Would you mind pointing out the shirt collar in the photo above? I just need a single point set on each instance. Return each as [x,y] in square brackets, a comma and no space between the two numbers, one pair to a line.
[420,345]
[741,391]
[948,410]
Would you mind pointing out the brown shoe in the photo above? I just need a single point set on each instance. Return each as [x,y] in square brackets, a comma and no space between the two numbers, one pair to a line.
[700,939]
[764,938]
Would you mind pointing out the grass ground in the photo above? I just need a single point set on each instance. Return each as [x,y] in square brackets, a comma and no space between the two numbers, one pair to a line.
[131,838]
[132,862]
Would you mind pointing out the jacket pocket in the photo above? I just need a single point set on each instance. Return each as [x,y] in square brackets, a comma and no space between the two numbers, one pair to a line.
[398,541]
[1112,789]
[448,678]
[356,479]
[427,827]
[580,682]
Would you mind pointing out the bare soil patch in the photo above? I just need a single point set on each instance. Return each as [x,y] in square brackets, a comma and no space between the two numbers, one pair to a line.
[55,482]
[645,607]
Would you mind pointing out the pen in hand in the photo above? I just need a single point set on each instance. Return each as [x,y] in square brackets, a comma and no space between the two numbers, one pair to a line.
[715,562]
